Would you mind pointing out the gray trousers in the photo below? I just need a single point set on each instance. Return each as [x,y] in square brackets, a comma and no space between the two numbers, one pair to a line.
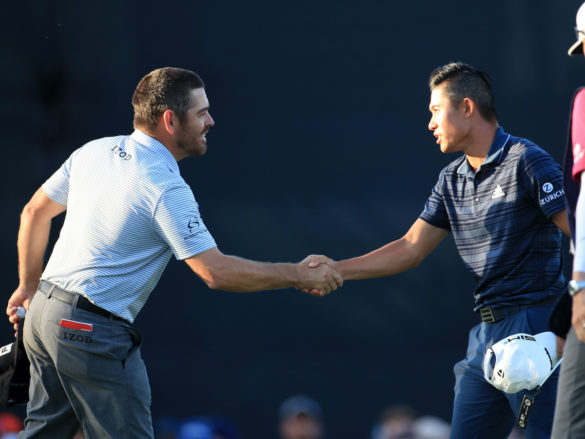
[569,420]
[86,370]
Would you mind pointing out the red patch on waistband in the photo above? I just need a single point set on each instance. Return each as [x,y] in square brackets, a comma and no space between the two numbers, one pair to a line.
[72,324]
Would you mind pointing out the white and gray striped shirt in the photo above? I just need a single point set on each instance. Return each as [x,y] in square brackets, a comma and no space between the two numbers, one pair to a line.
[128,209]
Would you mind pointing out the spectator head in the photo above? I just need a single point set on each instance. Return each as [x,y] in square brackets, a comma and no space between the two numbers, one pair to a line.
[301,417]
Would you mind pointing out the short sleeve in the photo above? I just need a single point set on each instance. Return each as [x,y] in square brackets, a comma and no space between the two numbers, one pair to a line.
[57,186]
[177,221]
[435,212]
[578,135]
[543,179]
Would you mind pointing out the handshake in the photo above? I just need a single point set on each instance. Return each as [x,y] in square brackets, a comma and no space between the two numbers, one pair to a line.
[318,275]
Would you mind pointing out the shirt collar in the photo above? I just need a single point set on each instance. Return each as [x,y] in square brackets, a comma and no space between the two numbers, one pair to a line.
[494,156]
[157,147]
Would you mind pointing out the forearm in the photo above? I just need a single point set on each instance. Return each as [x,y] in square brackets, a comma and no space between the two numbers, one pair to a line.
[397,256]
[579,238]
[578,306]
[390,259]
[33,236]
[231,273]
[242,276]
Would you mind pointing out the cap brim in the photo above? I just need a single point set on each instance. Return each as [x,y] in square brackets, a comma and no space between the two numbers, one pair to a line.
[549,341]
[577,47]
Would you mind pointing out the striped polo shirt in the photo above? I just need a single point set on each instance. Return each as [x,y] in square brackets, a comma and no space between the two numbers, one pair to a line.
[128,210]
[500,219]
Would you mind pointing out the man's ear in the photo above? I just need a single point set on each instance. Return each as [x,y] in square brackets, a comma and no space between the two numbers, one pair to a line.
[469,107]
[169,121]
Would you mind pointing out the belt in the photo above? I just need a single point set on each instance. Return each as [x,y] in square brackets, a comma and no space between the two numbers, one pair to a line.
[82,302]
[492,315]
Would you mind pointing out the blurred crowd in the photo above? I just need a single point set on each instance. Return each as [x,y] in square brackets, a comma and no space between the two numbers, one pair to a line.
[299,417]
[302,417]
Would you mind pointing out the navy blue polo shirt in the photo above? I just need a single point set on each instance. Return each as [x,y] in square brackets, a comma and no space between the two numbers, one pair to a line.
[500,219]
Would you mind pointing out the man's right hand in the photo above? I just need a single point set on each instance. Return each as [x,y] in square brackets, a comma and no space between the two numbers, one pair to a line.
[318,275]
[20,297]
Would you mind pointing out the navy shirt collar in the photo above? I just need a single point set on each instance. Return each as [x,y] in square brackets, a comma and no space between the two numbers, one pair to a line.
[494,156]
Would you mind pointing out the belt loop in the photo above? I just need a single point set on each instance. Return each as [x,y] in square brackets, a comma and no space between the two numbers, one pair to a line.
[487,315]
[50,292]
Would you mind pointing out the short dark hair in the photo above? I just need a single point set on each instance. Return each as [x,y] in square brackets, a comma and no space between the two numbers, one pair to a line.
[463,81]
[167,88]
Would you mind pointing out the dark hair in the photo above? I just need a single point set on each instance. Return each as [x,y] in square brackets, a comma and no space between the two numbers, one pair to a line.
[463,81]
[168,88]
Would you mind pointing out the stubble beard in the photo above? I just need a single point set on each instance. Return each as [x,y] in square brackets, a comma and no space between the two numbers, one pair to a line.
[193,148]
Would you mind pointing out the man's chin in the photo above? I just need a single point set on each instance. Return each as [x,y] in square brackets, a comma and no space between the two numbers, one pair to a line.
[445,149]
[196,150]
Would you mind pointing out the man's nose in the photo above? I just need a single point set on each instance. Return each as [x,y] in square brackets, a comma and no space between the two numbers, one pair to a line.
[432,125]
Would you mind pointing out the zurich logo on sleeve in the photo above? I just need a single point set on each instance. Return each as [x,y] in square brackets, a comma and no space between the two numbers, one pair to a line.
[548,189]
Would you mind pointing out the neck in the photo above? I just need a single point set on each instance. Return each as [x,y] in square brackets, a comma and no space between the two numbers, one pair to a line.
[480,143]
[167,141]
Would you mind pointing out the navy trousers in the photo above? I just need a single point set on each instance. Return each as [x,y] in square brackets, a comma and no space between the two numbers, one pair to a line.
[480,411]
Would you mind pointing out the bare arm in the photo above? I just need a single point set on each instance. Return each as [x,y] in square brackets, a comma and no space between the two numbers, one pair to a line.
[231,273]
[578,314]
[33,236]
[561,220]
[397,256]
[578,308]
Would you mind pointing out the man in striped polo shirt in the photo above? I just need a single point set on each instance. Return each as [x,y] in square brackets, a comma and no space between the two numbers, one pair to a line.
[128,210]
[503,201]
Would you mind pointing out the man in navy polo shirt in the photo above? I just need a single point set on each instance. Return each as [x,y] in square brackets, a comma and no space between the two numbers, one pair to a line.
[504,202]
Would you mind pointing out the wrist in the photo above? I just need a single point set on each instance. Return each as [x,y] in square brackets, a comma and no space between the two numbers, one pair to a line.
[575,287]
[295,275]
[28,288]
[288,274]
[344,268]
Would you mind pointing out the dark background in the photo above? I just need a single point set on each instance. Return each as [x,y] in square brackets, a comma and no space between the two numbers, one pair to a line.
[320,146]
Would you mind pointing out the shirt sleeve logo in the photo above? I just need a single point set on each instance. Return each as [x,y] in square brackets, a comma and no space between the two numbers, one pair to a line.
[193,224]
[548,189]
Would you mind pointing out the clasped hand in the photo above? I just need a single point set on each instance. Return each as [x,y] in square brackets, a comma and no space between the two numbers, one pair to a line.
[318,275]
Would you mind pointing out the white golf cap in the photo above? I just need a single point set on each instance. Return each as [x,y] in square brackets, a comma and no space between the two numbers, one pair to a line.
[520,361]
[577,47]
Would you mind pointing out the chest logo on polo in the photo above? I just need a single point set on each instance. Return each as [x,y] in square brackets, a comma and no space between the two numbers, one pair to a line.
[498,193]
